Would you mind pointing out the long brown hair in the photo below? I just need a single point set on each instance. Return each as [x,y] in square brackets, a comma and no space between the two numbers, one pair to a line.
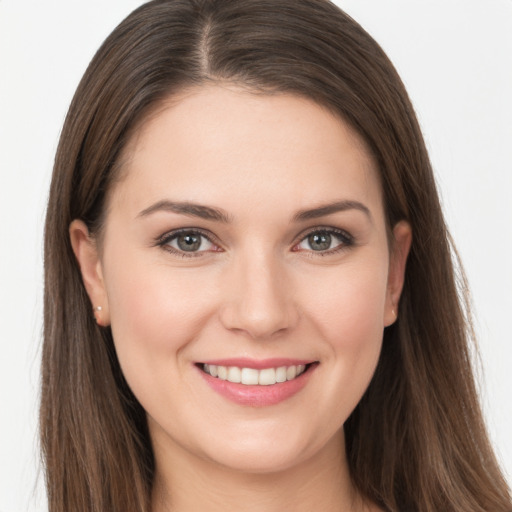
[417,440]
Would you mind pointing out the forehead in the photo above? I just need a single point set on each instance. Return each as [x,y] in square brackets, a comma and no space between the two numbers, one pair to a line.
[228,145]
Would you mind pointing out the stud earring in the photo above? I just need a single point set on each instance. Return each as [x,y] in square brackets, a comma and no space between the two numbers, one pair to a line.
[97,314]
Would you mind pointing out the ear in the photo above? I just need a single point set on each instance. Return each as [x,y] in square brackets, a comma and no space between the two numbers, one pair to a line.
[401,244]
[87,255]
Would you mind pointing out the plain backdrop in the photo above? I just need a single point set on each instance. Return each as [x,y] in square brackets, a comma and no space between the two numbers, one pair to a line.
[455,58]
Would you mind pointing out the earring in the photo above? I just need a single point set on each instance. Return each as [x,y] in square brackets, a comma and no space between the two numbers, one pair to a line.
[97,314]
[394,313]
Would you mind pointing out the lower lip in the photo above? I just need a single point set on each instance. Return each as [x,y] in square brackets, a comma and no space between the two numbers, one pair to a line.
[258,396]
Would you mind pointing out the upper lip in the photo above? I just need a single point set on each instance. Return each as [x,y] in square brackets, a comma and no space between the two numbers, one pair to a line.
[258,364]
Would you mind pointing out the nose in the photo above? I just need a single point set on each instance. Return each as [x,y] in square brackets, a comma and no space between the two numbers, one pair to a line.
[259,301]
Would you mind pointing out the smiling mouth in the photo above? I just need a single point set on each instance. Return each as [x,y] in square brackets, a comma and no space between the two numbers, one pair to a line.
[254,377]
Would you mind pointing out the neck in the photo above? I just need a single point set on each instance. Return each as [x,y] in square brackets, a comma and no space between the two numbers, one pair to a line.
[191,483]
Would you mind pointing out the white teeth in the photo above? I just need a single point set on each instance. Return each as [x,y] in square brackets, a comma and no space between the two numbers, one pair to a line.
[252,377]
[249,376]
[222,373]
[267,377]
[291,372]
[281,374]
[234,374]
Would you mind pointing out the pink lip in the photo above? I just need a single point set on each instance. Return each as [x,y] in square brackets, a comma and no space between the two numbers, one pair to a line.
[257,396]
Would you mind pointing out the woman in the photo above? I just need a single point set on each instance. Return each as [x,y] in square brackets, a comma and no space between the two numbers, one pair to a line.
[250,301]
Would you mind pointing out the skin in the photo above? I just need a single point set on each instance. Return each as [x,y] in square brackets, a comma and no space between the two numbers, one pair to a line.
[258,290]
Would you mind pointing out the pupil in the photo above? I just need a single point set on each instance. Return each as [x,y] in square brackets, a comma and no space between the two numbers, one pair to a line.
[189,242]
[320,241]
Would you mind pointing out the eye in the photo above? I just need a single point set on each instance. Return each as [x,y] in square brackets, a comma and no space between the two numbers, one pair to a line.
[187,243]
[325,240]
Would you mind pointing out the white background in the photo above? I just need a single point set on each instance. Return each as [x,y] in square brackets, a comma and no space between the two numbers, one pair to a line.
[455,57]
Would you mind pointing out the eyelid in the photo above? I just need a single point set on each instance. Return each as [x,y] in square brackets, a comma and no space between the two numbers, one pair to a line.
[347,239]
[164,240]
[175,232]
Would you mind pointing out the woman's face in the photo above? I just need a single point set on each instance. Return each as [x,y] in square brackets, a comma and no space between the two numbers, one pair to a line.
[247,233]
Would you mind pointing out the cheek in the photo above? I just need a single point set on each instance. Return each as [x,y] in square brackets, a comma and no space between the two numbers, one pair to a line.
[349,316]
[349,307]
[155,312]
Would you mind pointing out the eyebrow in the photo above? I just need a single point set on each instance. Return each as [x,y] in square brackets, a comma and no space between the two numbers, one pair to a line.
[219,215]
[328,209]
[189,209]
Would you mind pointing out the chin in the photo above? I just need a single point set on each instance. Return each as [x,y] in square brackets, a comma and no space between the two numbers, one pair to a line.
[263,461]
[266,454]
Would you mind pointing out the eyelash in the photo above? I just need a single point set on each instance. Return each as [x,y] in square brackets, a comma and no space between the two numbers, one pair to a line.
[165,240]
[346,239]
